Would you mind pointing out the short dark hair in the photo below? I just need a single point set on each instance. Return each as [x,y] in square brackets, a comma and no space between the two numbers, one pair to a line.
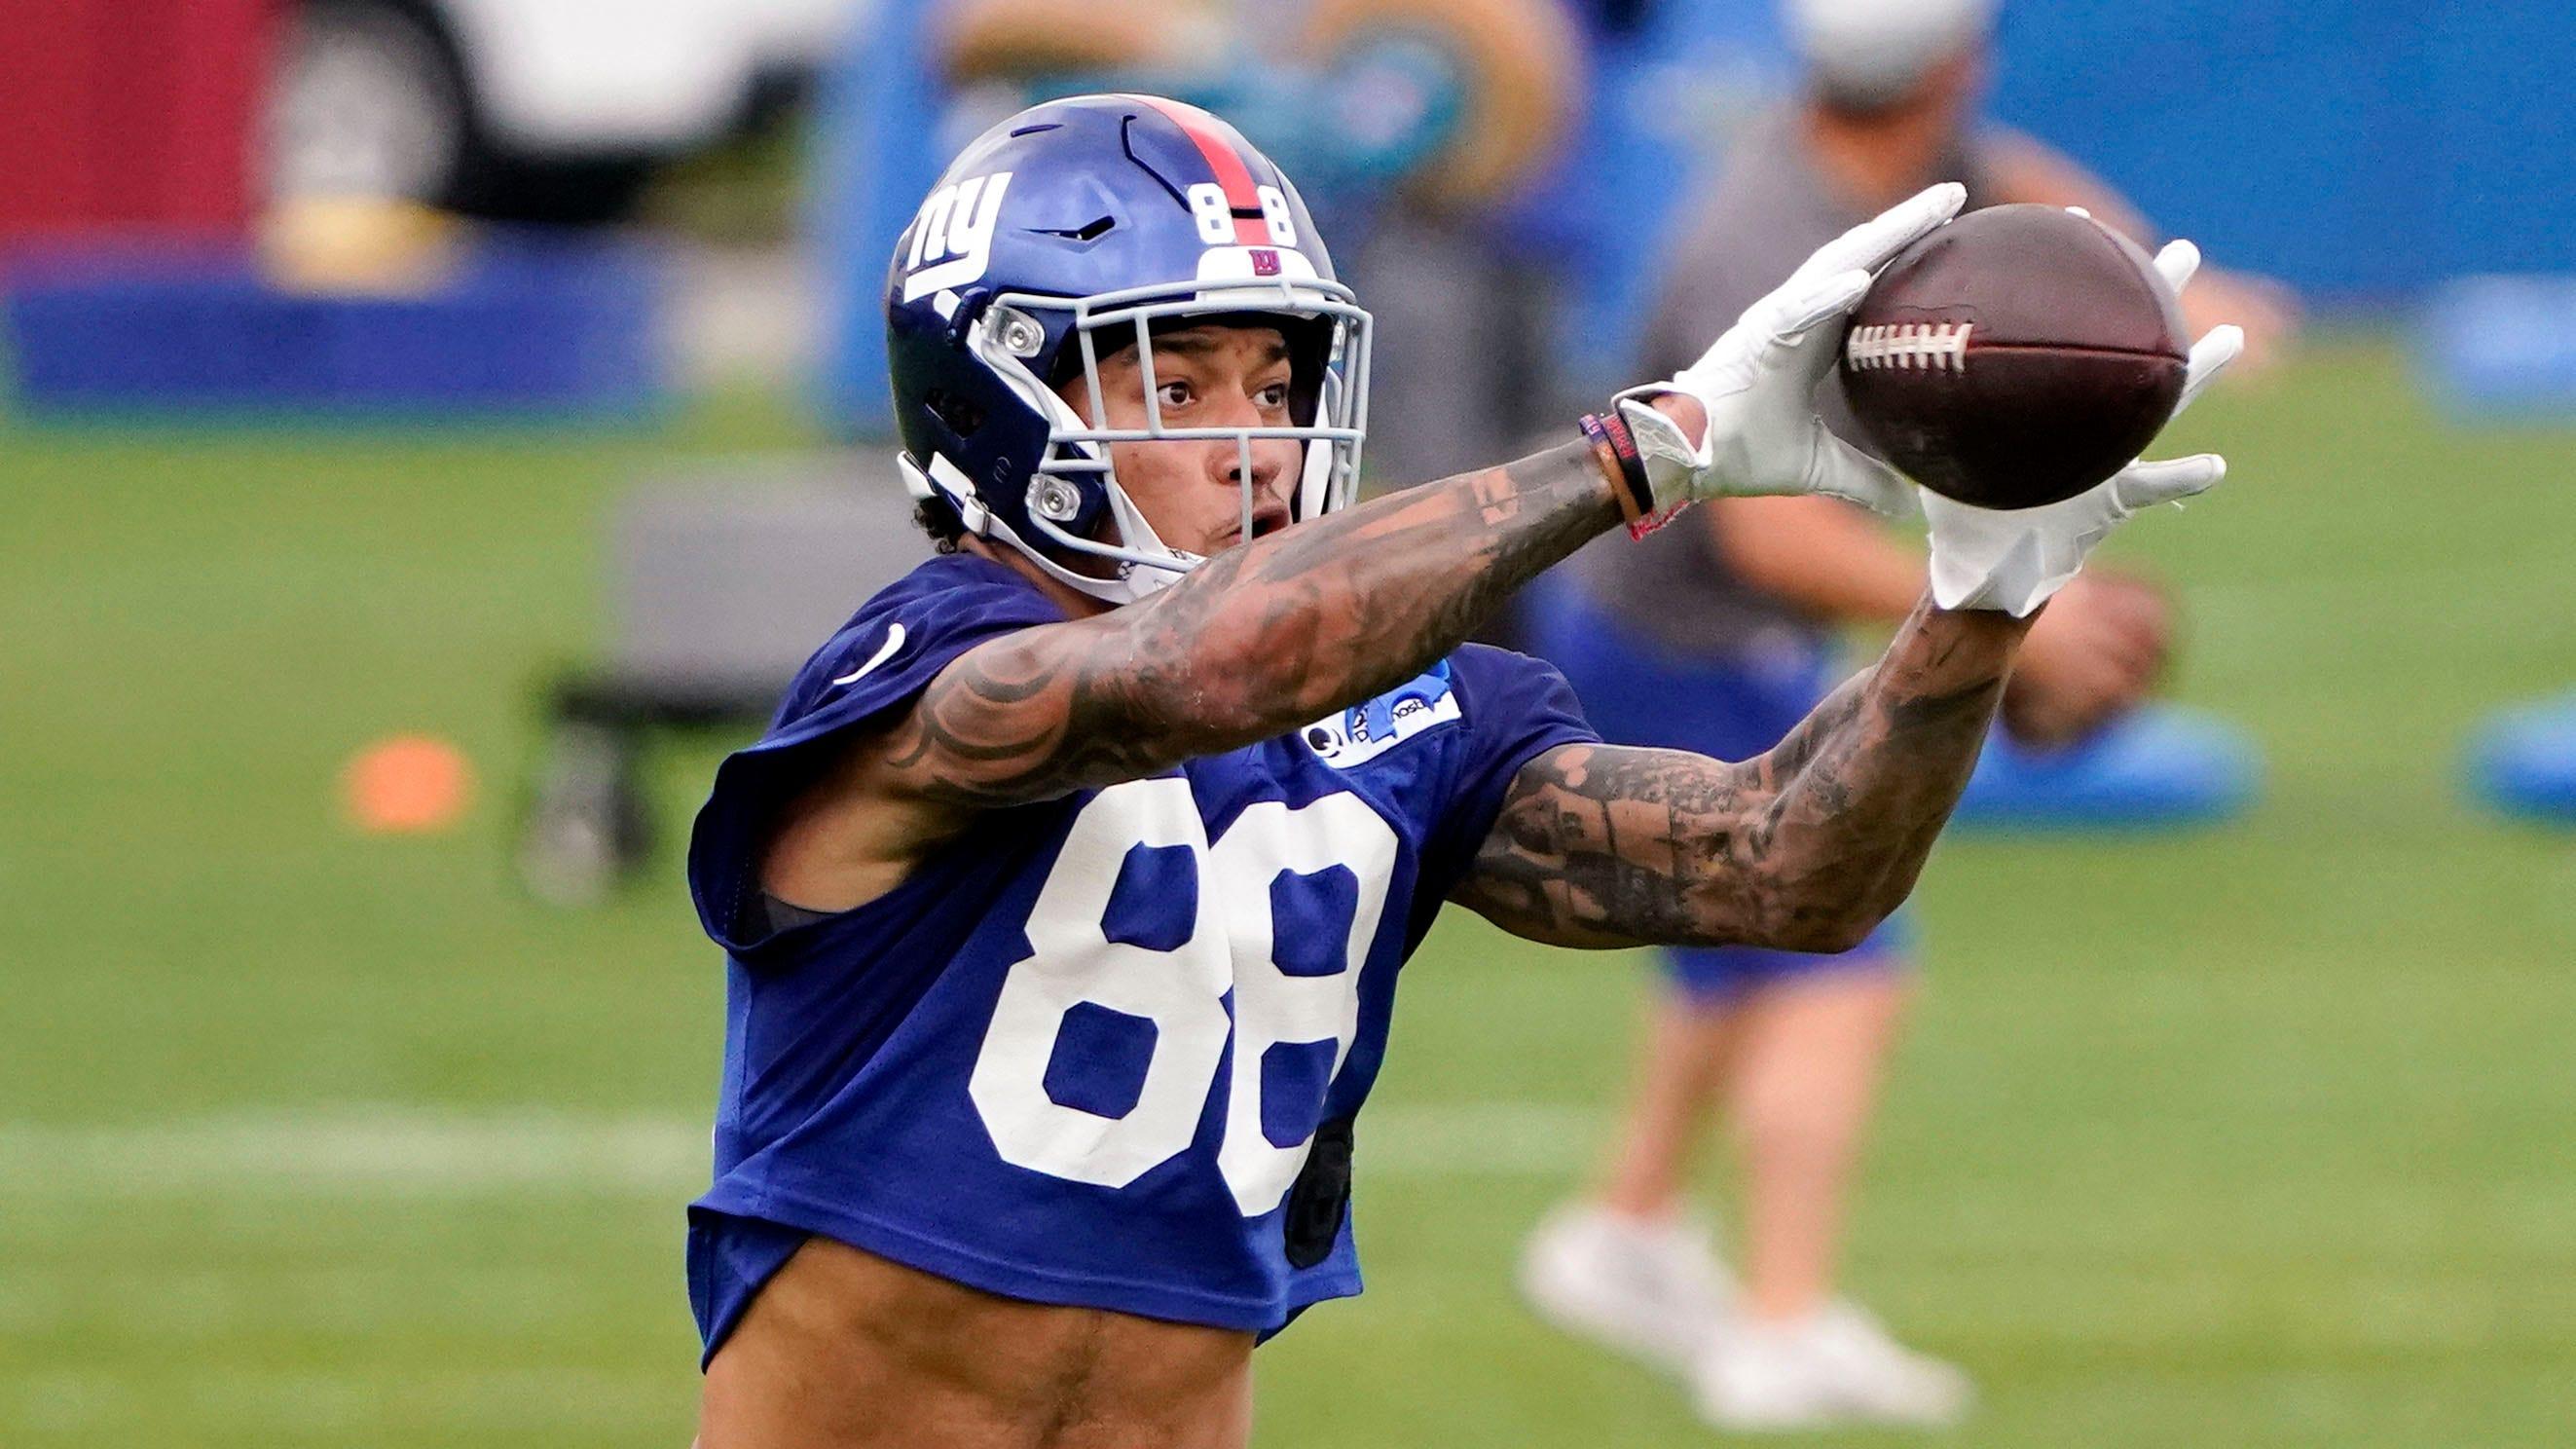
[938,518]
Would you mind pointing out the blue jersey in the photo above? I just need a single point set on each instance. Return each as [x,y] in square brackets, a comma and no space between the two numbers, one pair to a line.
[1104,1050]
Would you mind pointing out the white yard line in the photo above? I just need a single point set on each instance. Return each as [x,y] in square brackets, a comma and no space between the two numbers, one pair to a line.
[405,1152]
[354,1404]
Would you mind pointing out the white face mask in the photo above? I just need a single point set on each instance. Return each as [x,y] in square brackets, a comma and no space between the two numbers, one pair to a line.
[1010,332]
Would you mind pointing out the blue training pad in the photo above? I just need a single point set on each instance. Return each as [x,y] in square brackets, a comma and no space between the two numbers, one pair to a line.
[522,321]
[2161,768]
[2501,346]
[2523,761]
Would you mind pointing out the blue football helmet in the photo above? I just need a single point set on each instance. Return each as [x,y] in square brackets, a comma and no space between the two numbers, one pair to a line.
[1062,235]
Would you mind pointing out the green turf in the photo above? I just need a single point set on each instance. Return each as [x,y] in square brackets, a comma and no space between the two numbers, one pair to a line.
[307,1139]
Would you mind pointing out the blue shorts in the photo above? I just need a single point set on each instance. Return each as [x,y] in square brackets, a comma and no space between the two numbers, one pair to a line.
[1638,692]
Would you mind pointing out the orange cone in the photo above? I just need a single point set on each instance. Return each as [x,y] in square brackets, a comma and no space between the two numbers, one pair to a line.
[406,785]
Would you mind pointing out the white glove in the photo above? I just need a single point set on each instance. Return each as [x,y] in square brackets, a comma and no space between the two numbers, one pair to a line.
[2012,560]
[1758,381]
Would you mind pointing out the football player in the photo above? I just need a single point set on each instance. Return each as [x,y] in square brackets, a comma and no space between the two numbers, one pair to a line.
[1066,894]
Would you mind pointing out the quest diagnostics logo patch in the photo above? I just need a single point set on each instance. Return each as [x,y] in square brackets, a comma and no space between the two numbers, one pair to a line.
[1363,732]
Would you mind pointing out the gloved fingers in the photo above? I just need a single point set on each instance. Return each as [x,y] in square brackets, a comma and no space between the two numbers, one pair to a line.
[2211,353]
[1806,329]
[2177,262]
[2143,484]
[1808,307]
[1769,332]
[1869,245]
[1843,471]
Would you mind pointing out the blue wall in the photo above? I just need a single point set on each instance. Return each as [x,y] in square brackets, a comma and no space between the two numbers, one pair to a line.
[2362,150]
[2357,148]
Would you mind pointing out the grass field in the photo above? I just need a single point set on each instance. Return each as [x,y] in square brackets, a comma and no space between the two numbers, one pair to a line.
[2255,1138]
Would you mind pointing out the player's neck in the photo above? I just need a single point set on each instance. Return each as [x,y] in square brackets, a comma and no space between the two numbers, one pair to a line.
[1075,603]
[1882,157]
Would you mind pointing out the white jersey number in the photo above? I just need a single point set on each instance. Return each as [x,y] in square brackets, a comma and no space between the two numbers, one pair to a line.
[1230,947]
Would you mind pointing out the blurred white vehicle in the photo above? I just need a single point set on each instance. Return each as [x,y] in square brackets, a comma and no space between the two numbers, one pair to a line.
[540,109]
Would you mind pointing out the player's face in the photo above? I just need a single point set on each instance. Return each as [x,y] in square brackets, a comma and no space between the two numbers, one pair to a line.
[1191,490]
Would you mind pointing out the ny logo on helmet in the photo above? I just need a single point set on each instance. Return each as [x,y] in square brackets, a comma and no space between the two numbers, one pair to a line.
[952,239]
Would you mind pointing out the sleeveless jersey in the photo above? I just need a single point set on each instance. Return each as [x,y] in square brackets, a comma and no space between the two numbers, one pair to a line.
[1104,1050]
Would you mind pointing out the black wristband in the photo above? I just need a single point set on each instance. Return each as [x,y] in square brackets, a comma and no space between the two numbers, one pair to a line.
[1626,468]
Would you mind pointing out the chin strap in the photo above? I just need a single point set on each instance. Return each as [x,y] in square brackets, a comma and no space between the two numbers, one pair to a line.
[947,485]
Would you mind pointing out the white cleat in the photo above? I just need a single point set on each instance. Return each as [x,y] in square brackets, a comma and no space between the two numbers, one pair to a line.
[1650,1289]
[1837,1366]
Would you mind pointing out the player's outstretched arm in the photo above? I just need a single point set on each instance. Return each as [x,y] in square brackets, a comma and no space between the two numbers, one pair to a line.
[1811,845]
[1255,642]
[1804,848]
[1270,636]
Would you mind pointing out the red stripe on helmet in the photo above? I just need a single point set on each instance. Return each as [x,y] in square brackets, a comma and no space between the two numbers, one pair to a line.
[1231,175]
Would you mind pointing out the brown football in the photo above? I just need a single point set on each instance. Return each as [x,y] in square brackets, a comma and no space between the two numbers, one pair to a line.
[2015,357]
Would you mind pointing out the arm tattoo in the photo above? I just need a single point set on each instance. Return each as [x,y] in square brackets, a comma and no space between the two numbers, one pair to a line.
[1803,848]
[1256,641]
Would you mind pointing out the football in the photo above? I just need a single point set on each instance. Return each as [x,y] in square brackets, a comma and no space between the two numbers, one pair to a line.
[2015,357]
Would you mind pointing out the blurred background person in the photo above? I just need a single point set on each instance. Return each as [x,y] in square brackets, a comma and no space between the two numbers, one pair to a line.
[1717,636]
